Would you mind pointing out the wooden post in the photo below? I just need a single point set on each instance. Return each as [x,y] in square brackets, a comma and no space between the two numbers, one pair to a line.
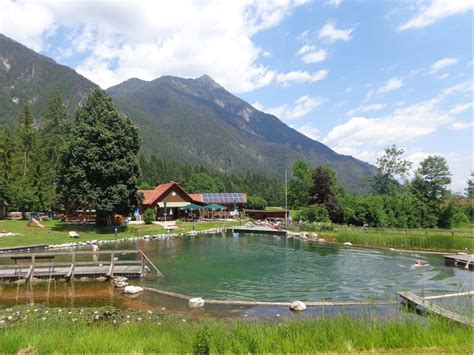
[111,269]
[143,265]
[32,266]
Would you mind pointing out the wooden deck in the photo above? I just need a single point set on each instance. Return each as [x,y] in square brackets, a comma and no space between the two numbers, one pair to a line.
[460,260]
[414,301]
[258,230]
[36,267]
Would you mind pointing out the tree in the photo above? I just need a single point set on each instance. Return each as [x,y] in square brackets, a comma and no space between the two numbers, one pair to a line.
[6,153]
[470,186]
[314,213]
[390,168]
[432,178]
[256,203]
[298,187]
[202,182]
[24,135]
[99,168]
[53,132]
[322,191]
[149,216]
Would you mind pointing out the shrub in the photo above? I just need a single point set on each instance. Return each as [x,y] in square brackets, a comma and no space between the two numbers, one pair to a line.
[256,203]
[149,216]
[314,213]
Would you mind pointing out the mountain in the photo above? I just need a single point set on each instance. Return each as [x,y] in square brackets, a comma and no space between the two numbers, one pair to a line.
[198,121]
[26,76]
[187,120]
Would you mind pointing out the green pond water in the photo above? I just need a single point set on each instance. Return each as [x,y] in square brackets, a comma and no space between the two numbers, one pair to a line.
[268,268]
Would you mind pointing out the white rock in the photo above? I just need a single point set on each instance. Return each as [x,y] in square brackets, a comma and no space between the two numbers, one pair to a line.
[121,284]
[348,244]
[321,240]
[196,302]
[131,290]
[298,306]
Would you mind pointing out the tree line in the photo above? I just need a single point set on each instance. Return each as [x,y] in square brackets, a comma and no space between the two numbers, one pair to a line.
[423,201]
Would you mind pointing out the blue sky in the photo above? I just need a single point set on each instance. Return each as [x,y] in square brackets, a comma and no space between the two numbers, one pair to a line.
[355,75]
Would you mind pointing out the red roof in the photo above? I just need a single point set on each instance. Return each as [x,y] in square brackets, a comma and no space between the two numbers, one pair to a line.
[196,197]
[152,195]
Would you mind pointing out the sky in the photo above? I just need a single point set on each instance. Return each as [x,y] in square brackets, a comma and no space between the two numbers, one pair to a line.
[356,75]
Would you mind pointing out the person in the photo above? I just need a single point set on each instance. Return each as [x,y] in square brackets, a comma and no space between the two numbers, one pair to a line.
[95,252]
[419,263]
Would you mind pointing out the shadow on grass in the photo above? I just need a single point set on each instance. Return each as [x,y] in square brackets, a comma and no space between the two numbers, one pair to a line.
[67,227]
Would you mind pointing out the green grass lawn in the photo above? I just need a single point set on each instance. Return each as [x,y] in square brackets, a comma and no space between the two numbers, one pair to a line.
[47,330]
[55,232]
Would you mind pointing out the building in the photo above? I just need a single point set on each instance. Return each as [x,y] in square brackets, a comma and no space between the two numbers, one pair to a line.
[167,200]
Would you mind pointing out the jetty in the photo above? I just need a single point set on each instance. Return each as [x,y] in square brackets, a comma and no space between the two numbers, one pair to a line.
[414,301]
[258,230]
[74,264]
[460,260]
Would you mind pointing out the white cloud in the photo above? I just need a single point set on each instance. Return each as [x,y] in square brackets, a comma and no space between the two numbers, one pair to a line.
[461,125]
[404,124]
[309,131]
[443,76]
[366,108]
[392,84]
[331,33]
[435,11]
[465,87]
[302,106]
[334,3]
[441,64]
[309,54]
[461,108]
[147,39]
[301,77]
[347,90]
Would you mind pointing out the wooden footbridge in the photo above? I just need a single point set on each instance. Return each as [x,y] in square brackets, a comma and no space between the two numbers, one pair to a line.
[465,261]
[73,264]
[414,301]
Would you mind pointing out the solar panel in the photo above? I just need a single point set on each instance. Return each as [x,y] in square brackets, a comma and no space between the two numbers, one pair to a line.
[227,198]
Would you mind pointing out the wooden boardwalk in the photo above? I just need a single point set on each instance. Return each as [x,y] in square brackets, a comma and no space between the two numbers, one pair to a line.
[460,260]
[36,266]
[258,230]
[414,301]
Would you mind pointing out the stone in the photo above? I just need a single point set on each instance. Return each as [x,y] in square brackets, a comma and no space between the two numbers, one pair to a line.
[196,302]
[121,284]
[348,244]
[73,234]
[321,240]
[298,306]
[131,290]
[119,279]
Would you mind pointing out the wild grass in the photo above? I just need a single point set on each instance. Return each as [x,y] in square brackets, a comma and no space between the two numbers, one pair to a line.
[414,240]
[335,334]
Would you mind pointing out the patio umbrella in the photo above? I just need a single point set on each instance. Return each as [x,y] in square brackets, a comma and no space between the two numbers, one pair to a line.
[215,207]
[191,207]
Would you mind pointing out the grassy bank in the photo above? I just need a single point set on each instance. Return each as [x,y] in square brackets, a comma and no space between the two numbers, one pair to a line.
[55,232]
[47,330]
[413,239]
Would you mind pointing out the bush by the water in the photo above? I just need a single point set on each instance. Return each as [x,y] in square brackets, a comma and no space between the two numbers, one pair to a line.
[314,213]
[149,216]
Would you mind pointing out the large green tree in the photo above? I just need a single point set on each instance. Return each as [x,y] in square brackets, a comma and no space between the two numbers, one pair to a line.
[432,178]
[299,185]
[99,166]
[6,154]
[391,168]
[52,134]
[323,191]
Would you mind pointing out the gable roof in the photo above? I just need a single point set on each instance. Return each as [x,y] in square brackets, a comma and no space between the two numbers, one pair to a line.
[151,196]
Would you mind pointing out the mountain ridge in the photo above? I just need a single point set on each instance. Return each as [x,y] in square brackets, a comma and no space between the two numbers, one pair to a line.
[194,121]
